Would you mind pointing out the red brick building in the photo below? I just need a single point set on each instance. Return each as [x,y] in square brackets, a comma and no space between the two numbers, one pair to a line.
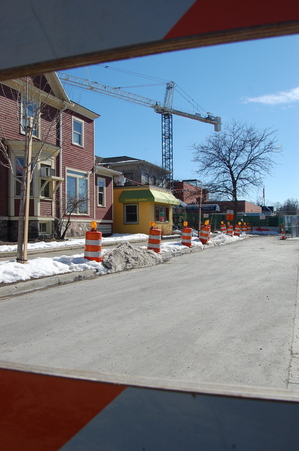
[65,179]
[190,191]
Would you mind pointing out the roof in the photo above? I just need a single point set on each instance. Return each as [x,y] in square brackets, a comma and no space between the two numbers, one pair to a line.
[124,161]
[148,195]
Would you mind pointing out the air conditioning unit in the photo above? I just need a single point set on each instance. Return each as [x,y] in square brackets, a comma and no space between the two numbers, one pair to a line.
[46,171]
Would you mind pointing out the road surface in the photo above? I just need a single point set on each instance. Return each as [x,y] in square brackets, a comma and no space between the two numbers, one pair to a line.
[225,315]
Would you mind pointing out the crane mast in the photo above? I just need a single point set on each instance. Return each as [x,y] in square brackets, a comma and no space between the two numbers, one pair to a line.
[166,110]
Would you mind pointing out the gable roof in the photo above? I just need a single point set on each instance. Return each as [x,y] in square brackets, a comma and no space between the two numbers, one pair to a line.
[51,92]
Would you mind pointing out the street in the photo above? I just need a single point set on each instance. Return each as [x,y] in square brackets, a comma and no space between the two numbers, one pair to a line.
[226,315]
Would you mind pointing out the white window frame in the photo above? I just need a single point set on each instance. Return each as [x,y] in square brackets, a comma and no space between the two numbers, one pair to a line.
[18,179]
[77,174]
[165,209]
[125,214]
[43,181]
[81,144]
[104,192]
[36,118]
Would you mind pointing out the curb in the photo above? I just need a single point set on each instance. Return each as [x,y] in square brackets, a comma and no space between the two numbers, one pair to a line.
[46,282]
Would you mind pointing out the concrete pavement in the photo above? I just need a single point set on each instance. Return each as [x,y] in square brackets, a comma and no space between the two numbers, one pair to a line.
[227,315]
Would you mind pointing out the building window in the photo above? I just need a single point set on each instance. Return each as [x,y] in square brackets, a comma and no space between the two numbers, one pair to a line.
[161,213]
[77,192]
[44,184]
[131,213]
[78,130]
[20,162]
[42,228]
[30,109]
[101,192]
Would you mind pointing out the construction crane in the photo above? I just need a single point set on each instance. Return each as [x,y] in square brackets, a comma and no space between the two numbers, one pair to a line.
[166,110]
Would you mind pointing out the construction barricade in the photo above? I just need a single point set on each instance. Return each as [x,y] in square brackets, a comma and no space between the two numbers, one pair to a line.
[186,235]
[249,228]
[230,229]
[237,230]
[154,239]
[93,244]
[283,235]
[222,227]
[204,235]
[244,228]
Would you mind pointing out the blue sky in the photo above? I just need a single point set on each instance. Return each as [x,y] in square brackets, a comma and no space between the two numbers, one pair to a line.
[255,82]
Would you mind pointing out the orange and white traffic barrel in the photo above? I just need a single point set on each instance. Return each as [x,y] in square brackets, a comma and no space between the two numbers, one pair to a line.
[249,228]
[244,228]
[186,235]
[283,235]
[230,229]
[222,227]
[237,230]
[93,244]
[154,239]
[204,235]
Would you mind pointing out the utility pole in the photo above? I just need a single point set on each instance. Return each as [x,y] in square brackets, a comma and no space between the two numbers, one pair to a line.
[28,180]
[199,210]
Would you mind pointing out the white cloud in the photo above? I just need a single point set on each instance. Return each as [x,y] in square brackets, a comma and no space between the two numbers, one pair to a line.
[277,98]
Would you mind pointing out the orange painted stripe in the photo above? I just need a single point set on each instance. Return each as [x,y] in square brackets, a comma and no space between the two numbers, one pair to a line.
[41,412]
[220,15]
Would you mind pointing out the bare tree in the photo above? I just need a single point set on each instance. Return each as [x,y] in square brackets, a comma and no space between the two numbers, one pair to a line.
[289,207]
[235,160]
[31,104]
[62,225]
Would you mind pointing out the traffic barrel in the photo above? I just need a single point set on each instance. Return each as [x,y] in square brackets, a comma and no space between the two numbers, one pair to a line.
[154,239]
[204,235]
[283,235]
[222,227]
[230,229]
[249,228]
[186,235]
[237,230]
[93,244]
[244,228]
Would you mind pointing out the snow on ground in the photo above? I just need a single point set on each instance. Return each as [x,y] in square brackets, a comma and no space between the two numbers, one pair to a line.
[11,271]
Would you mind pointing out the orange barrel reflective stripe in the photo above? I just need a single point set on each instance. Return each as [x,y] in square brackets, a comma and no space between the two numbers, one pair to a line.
[222,227]
[154,239]
[187,236]
[237,230]
[230,230]
[244,228]
[93,246]
[283,236]
[204,235]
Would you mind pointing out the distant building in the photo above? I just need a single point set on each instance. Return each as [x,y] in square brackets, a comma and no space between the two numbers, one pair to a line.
[136,171]
[243,206]
[190,191]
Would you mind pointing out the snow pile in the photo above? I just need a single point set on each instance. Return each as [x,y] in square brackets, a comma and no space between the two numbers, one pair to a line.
[125,256]
[12,271]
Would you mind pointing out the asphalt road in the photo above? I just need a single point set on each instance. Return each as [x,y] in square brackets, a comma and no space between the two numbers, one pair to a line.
[226,315]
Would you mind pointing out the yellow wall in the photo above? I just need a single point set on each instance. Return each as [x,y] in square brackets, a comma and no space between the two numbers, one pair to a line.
[146,214]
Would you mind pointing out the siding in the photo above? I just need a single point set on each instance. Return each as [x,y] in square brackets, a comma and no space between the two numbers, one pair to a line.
[46,208]
[77,157]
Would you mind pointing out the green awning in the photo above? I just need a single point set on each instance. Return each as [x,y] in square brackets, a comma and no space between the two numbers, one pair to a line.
[148,195]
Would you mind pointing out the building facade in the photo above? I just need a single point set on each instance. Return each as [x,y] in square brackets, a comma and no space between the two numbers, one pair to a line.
[66,183]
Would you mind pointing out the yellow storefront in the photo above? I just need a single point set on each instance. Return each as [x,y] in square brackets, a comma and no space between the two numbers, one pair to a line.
[136,207]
